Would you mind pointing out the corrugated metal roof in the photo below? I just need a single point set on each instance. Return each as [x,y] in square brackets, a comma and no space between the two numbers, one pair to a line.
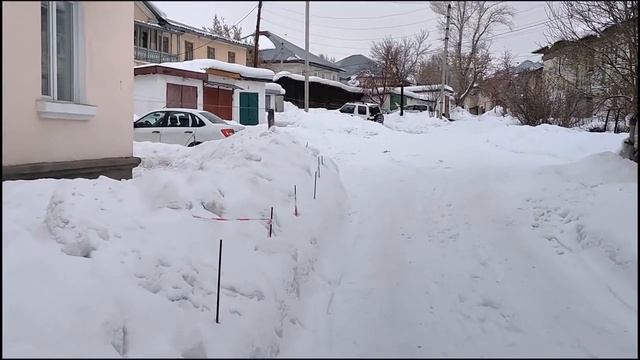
[287,51]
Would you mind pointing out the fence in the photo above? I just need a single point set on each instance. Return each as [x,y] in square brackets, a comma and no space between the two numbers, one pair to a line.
[153,56]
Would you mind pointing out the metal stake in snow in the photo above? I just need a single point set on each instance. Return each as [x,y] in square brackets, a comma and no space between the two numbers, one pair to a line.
[218,295]
[322,159]
[271,222]
[318,166]
[295,201]
[315,182]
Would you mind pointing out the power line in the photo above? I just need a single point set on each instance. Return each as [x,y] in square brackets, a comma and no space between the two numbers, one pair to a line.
[355,17]
[244,17]
[368,39]
[377,28]
[212,41]
[338,38]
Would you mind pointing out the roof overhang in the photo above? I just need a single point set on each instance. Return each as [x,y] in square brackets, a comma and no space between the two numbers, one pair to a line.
[162,70]
[216,84]
[301,61]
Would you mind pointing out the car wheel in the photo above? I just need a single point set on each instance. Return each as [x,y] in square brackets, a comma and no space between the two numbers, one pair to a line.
[194,144]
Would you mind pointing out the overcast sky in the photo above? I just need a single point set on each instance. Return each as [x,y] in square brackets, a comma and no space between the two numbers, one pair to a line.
[340,29]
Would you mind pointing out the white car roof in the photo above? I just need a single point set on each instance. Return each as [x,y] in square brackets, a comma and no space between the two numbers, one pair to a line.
[361,103]
[177,109]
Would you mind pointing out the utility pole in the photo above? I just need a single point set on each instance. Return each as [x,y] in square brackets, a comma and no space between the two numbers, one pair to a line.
[444,62]
[257,36]
[306,58]
[402,98]
[281,54]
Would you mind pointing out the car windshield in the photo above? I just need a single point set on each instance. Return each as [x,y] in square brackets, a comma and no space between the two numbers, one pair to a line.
[153,119]
[374,110]
[347,109]
[214,119]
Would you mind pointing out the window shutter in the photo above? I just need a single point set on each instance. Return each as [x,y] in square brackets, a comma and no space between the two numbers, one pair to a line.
[189,97]
[174,95]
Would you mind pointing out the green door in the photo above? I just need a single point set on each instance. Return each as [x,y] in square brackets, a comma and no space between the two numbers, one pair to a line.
[248,108]
[394,102]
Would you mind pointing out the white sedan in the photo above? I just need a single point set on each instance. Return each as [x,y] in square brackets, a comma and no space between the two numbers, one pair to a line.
[188,127]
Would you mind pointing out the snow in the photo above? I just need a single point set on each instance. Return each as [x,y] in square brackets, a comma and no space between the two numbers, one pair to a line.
[422,88]
[317,80]
[428,238]
[432,96]
[264,43]
[95,264]
[275,87]
[201,65]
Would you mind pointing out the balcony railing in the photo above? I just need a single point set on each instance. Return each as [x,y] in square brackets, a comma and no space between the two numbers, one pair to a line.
[153,56]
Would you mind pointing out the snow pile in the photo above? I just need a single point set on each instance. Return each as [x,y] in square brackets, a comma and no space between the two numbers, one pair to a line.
[329,122]
[275,88]
[201,65]
[415,123]
[317,80]
[123,268]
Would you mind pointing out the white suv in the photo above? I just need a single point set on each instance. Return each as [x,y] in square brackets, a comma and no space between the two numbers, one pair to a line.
[368,111]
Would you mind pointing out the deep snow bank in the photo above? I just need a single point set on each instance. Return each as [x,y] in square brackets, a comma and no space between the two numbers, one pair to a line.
[122,268]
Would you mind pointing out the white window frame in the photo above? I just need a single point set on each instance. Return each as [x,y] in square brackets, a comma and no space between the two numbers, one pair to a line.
[49,106]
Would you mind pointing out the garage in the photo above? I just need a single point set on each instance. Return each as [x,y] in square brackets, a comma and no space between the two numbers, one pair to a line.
[218,100]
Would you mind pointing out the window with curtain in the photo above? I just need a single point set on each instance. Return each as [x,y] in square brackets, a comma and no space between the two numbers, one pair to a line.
[188,50]
[58,22]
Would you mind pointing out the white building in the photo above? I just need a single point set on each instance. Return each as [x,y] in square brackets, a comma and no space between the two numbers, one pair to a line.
[231,91]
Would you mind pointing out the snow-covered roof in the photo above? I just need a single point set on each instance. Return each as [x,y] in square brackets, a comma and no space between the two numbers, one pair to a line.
[201,65]
[317,80]
[424,97]
[201,32]
[528,65]
[176,25]
[287,51]
[354,64]
[156,9]
[424,88]
[272,87]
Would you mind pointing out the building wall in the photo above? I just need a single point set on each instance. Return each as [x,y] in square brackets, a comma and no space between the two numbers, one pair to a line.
[200,49]
[247,86]
[150,91]
[139,14]
[27,138]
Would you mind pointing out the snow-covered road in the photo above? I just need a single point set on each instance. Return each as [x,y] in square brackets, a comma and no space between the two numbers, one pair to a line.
[427,238]
[472,250]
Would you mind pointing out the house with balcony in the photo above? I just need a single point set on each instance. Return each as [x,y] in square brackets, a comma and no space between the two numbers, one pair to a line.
[158,39]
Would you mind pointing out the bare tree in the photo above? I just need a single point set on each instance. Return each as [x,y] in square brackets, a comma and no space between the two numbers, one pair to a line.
[221,28]
[471,23]
[395,61]
[533,99]
[601,37]
[327,57]
[497,85]
[378,78]
[430,70]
